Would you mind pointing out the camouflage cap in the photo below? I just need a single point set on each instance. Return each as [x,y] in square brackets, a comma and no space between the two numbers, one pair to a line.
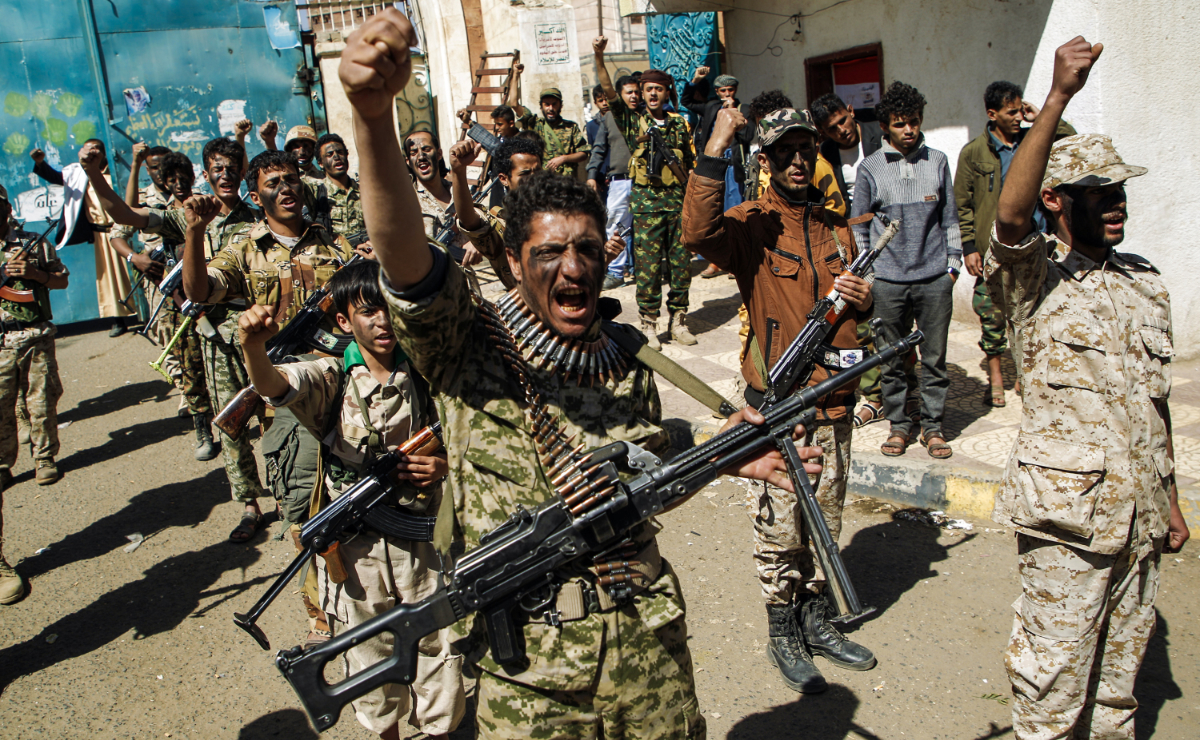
[300,132]
[1087,160]
[778,123]
[551,92]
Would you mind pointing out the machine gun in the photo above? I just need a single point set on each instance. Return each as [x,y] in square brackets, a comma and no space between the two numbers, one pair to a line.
[517,568]
[659,146]
[12,294]
[346,515]
[301,333]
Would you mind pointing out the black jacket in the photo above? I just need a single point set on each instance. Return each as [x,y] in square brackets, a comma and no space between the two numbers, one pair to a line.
[707,111]
[872,141]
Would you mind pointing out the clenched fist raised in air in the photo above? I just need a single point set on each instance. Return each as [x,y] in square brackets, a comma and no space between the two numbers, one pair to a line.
[376,63]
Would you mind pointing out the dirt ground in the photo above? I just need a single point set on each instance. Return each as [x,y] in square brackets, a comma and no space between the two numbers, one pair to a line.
[140,644]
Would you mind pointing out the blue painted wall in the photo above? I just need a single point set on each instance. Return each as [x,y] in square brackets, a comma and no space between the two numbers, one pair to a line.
[188,55]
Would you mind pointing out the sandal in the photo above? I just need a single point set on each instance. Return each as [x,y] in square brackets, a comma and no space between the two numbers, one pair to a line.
[996,398]
[893,449]
[712,271]
[246,528]
[868,413]
[936,449]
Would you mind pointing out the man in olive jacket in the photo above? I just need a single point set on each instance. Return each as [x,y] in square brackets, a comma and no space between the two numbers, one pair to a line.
[982,165]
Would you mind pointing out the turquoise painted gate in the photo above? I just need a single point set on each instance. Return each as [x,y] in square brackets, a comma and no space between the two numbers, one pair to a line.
[174,73]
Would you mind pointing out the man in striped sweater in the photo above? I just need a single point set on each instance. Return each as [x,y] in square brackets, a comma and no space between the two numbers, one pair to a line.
[914,277]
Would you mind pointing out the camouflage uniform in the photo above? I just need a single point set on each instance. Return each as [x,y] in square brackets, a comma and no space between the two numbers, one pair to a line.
[188,358]
[27,359]
[561,138]
[991,322]
[1087,486]
[222,358]
[489,240]
[658,252]
[342,205]
[434,217]
[784,558]
[383,571]
[620,672]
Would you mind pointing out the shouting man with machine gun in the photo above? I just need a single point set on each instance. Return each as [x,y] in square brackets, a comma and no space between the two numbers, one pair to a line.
[581,622]
[804,286]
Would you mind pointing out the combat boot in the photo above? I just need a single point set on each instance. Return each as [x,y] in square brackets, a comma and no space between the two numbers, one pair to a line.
[206,448]
[650,329]
[47,472]
[12,588]
[822,638]
[679,330]
[786,651]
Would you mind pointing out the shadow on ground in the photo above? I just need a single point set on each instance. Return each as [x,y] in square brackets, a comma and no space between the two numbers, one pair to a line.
[886,560]
[122,396]
[1155,685]
[713,313]
[124,441]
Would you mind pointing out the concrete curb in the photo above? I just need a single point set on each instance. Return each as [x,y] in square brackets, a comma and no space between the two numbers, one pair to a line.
[940,486]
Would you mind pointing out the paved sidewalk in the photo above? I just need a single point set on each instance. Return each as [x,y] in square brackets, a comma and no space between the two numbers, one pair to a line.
[980,435]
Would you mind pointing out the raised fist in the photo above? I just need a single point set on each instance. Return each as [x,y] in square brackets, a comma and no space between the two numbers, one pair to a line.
[376,63]
[139,152]
[200,210]
[242,128]
[598,44]
[1072,63]
[257,325]
[38,156]
[462,154]
[700,73]
[268,131]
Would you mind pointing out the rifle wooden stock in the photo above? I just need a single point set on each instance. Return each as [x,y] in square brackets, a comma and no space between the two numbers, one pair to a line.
[16,296]
[236,414]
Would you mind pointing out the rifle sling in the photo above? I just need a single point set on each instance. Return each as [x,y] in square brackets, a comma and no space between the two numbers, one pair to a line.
[678,375]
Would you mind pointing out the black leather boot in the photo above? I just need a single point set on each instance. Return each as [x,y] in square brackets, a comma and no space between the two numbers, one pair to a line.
[206,447]
[786,651]
[822,638]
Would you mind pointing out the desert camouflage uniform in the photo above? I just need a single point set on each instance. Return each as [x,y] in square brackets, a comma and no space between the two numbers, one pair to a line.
[343,205]
[1086,486]
[622,672]
[223,368]
[561,138]
[151,197]
[433,216]
[489,240]
[658,252]
[383,571]
[782,549]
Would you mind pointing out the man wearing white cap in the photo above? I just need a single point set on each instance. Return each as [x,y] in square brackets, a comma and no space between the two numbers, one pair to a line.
[1089,487]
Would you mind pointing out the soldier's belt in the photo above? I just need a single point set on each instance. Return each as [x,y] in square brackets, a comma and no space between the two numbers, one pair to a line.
[13,325]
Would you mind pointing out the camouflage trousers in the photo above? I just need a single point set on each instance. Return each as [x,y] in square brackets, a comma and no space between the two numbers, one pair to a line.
[869,385]
[659,257]
[992,339]
[1082,626]
[384,573]
[643,689]
[782,544]
[29,371]
[185,362]
[226,375]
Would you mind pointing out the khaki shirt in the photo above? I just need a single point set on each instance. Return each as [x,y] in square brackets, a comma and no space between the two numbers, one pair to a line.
[258,269]
[1092,343]
[219,233]
[433,215]
[343,204]
[150,197]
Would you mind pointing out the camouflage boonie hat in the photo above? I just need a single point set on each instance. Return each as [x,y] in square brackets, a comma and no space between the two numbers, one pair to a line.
[1087,160]
[551,92]
[778,123]
[300,132]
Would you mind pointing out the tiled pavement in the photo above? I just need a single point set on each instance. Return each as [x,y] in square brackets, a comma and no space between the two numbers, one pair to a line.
[980,435]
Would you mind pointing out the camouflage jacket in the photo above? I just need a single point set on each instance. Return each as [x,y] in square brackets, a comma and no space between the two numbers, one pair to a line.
[433,215]
[562,138]
[494,466]
[1092,343]
[45,257]
[488,238]
[313,397]
[149,197]
[258,269]
[344,205]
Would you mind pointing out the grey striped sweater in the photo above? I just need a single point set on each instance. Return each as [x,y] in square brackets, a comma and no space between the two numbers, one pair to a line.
[916,189]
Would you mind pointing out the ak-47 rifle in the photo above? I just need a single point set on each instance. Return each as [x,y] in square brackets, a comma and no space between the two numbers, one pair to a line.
[12,294]
[658,145]
[303,332]
[159,254]
[517,568]
[170,288]
[345,516]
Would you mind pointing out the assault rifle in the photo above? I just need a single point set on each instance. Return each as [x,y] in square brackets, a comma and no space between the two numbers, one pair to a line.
[358,238]
[170,285]
[303,332]
[798,360]
[516,570]
[346,515]
[659,145]
[22,296]
[162,256]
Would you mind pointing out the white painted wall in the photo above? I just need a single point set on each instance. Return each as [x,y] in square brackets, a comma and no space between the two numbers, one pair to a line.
[1140,92]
